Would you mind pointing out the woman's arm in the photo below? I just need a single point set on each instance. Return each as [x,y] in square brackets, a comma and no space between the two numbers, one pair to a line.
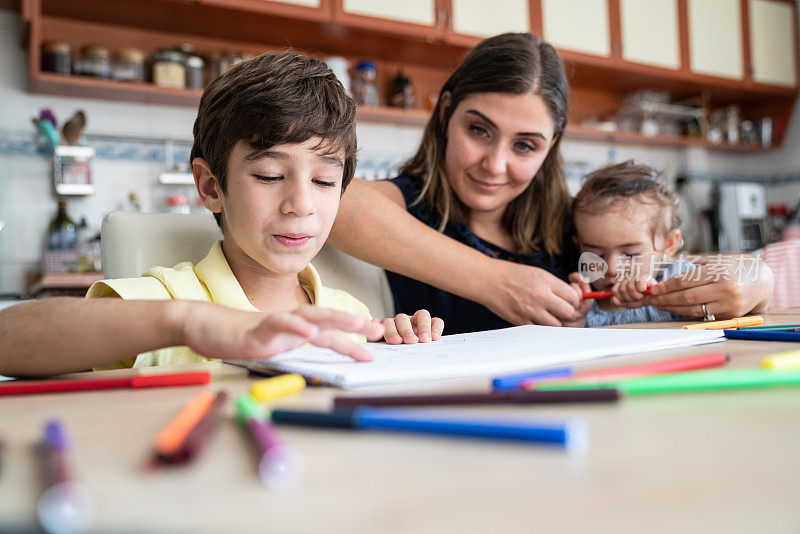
[374,226]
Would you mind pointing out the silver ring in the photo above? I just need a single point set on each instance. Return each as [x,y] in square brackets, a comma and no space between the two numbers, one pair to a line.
[707,315]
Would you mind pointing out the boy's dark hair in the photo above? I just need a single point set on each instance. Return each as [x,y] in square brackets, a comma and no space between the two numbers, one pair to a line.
[274,99]
[628,180]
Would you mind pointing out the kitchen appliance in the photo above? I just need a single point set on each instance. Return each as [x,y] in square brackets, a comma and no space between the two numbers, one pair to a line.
[742,216]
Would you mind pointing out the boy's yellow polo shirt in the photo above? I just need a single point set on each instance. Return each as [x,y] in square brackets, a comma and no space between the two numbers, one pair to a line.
[211,280]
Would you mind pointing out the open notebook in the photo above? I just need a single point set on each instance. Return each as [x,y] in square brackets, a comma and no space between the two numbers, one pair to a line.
[491,352]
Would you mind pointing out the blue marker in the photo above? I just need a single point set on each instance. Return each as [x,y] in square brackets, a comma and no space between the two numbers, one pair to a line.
[571,434]
[763,335]
[509,382]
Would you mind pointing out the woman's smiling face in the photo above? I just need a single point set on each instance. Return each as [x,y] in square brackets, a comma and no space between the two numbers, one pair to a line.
[496,143]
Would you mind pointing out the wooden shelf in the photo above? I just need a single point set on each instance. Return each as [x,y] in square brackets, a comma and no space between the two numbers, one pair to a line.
[86,87]
[588,133]
[409,117]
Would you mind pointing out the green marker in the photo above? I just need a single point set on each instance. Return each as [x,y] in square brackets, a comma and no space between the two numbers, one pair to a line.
[248,408]
[691,381]
[783,327]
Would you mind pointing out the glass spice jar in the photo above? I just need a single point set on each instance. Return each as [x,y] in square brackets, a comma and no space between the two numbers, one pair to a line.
[168,69]
[57,57]
[95,61]
[129,65]
[229,59]
[194,72]
[213,66]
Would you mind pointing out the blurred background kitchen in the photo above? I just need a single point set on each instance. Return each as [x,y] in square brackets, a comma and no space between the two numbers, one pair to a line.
[98,98]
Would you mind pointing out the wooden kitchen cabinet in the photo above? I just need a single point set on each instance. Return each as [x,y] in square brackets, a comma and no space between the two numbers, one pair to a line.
[420,18]
[716,44]
[471,19]
[773,42]
[611,47]
[577,25]
[319,10]
[650,33]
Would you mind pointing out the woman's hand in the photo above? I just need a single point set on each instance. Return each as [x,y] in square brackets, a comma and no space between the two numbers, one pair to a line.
[719,287]
[522,294]
[220,332]
[419,328]
[579,284]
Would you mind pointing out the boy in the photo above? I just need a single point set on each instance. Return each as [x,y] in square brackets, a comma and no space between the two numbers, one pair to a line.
[274,148]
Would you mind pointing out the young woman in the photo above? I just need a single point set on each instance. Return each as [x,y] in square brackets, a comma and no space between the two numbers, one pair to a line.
[476,228]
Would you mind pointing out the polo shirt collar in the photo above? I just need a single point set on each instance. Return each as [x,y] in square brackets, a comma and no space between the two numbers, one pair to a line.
[215,273]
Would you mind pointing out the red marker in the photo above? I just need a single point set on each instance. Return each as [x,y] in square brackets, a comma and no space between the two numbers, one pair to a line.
[603,294]
[689,363]
[29,387]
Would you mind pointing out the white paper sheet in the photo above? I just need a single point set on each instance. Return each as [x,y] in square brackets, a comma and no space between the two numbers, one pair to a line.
[491,352]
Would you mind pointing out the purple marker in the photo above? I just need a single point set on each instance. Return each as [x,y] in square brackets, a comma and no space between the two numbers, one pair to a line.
[66,506]
[279,465]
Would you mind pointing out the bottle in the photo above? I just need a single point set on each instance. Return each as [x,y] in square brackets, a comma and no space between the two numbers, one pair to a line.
[365,88]
[402,95]
[177,204]
[62,233]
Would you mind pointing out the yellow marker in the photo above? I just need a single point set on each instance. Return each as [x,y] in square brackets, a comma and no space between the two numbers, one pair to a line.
[275,388]
[752,320]
[782,361]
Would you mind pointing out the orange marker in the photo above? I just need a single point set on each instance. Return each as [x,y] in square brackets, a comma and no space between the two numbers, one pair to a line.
[172,436]
[736,322]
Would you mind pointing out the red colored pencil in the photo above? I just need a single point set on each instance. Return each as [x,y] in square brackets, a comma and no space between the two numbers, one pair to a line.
[688,363]
[603,294]
[30,387]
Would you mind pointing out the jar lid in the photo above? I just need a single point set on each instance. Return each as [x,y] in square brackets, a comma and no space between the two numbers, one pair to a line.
[366,65]
[130,55]
[95,52]
[172,56]
[194,62]
[56,47]
[187,49]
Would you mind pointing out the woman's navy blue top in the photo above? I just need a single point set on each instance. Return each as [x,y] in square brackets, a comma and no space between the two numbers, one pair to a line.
[461,315]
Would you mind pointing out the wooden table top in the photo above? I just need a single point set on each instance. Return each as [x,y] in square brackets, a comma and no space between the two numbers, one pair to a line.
[726,461]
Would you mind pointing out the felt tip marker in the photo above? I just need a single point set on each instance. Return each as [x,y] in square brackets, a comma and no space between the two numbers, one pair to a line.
[571,434]
[30,387]
[604,294]
[66,506]
[677,365]
[707,380]
[736,322]
[782,361]
[280,467]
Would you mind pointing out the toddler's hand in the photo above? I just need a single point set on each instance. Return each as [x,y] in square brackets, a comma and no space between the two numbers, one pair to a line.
[630,293]
[417,328]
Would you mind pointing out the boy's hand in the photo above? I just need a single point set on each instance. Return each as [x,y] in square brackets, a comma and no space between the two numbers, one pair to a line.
[221,332]
[417,328]
[630,293]
[579,285]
